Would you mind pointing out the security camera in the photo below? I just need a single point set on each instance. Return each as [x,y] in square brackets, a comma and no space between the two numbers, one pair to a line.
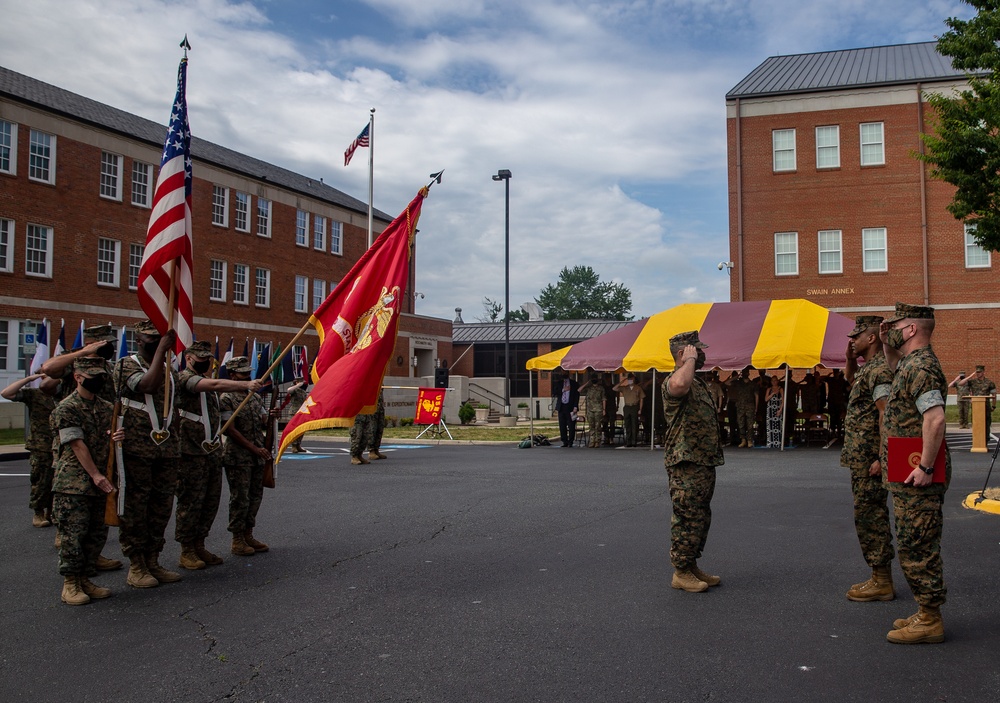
[722,265]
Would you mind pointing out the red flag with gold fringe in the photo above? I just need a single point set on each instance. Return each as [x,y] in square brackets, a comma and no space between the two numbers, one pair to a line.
[357,325]
[430,403]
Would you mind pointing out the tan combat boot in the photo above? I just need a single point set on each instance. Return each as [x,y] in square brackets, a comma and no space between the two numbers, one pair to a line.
[743,443]
[240,547]
[138,574]
[878,587]
[72,593]
[356,460]
[105,564]
[375,454]
[93,590]
[58,539]
[253,542]
[39,520]
[205,555]
[158,572]
[684,580]
[927,628]
[900,623]
[707,578]
[189,558]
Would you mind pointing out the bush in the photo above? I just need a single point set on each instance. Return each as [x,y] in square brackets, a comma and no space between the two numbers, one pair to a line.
[406,422]
[391,421]
[466,413]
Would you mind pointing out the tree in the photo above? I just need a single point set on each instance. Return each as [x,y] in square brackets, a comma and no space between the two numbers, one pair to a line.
[964,146]
[493,312]
[580,295]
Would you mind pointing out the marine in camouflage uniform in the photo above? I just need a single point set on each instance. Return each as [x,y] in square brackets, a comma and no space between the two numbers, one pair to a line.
[82,422]
[297,395]
[244,459]
[362,436]
[916,399]
[862,441]
[378,426]
[151,454]
[961,400]
[978,384]
[693,448]
[610,411]
[594,393]
[743,392]
[40,403]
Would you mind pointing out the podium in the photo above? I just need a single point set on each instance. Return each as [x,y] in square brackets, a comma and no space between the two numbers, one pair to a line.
[981,412]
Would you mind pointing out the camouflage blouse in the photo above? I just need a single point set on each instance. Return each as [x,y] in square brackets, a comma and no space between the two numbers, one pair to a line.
[692,432]
[861,424]
[40,406]
[89,420]
[251,422]
[192,431]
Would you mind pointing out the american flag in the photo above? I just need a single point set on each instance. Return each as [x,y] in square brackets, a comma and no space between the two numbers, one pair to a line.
[361,140]
[168,238]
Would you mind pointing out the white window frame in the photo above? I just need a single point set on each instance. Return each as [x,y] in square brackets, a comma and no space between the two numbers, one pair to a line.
[44,171]
[318,292]
[975,261]
[302,228]
[241,207]
[142,184]
[828,249]
[829,150]
[111,176]
[319,233]
[241,276]
[262,288]
[793,253]
[49,236]
[8,147]
[880,142]
[6,245]
[865,249]
[301,293]
[775,151]
[217,281]
[263,217]
[336,237]
[220,206]
[109,256]
[135,252]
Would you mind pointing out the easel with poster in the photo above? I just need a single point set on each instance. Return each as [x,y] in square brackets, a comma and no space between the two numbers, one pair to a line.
[430,403]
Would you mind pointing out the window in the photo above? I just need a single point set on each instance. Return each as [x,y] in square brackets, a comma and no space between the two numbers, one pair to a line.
[220,206]
[783,143]
[217,281]
[4,343]
[873,248]
[6,245]
[135,252]
[319,292]
[336,237]
[872,144]
[111,174]
[263,218]
[108,251]
[242,201]
[975,256]
[302,228]
[828,147]
[240,284]
[42,157]
[301,285]
[38,251]
[8,147]
[830,259]
[786,253]
[262,292]
[142,177]
[319,232]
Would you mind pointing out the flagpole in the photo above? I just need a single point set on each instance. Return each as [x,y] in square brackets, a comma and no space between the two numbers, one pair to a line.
[371,172]
[170,323]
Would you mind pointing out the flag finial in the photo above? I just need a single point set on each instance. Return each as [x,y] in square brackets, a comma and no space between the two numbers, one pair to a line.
[435,178]
[185,44]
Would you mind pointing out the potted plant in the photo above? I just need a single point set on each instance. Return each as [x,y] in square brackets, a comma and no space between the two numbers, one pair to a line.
[482,412]
[522,410]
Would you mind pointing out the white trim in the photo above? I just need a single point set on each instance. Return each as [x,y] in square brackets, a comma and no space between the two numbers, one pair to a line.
[835,148]
[775,150]
[115,261]
[111,182]
[967,229]
[245,227]
[820,251]
[51,158]
[221,280]
[884,247]
[786,253]
[9,232]
[49,243]
[12,159]
[224,191]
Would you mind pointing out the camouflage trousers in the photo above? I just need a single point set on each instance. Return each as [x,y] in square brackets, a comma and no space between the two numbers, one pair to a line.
[691,490]
[362,434]
[246,492]
[630,418]
[80,520]
[42,472]
[149,500]
[378,425]
[745,416]
[199,490]
[594,421]
[871,517]
[919,522]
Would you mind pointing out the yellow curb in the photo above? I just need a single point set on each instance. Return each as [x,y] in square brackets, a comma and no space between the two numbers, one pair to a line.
[987,505]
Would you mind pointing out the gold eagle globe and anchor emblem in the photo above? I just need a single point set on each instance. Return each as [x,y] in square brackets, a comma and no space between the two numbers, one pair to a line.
[914,460]
[374,322]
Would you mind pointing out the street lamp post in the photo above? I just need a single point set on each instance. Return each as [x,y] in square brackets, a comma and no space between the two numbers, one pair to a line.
[504,175]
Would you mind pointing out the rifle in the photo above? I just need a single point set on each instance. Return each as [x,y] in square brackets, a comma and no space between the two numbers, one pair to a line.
[269,438]
[111,472]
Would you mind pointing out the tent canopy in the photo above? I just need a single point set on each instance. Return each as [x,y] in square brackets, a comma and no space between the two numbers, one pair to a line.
[764,334]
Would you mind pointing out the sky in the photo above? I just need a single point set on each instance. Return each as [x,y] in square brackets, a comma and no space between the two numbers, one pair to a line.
[610,114]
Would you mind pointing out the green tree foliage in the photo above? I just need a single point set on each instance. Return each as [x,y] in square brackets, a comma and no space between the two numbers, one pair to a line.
[581,295]
[963,139]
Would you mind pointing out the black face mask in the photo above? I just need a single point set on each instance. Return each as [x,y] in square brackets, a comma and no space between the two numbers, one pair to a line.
[149,348]
[107,351]
[94,385]
[202,366]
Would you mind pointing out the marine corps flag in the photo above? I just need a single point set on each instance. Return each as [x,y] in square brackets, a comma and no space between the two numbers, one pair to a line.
[357,326]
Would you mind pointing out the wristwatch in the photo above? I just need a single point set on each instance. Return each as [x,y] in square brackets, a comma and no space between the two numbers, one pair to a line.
[926,469]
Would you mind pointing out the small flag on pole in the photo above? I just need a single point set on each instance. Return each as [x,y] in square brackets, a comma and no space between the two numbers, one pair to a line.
[361,140]
[61,342]
[122,344]
[41,348]
[78,342]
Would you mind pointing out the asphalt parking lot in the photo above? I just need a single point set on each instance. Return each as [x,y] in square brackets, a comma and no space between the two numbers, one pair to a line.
[490,573]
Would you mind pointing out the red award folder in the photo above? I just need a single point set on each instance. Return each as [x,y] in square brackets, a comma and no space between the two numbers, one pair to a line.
[904,457]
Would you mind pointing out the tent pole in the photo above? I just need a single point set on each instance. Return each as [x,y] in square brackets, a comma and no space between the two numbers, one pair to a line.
[652,417]
[531,417]
[784,409]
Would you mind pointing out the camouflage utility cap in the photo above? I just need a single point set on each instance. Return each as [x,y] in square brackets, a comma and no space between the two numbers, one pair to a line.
[980,369]
[238,364]
[201,349]
[101,333]
[679,341]
[90,366]
[146,327]
[864,322]
[905,311]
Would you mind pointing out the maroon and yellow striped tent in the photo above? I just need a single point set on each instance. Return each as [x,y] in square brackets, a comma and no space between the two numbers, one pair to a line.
[764,334]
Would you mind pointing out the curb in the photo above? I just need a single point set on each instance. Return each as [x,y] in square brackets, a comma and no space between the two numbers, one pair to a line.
[974,501]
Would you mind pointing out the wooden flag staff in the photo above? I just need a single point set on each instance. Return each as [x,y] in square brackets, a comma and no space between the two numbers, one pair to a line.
[170,321]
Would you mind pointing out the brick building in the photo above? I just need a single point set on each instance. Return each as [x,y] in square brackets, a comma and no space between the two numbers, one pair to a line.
[76,182]
[828,202]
